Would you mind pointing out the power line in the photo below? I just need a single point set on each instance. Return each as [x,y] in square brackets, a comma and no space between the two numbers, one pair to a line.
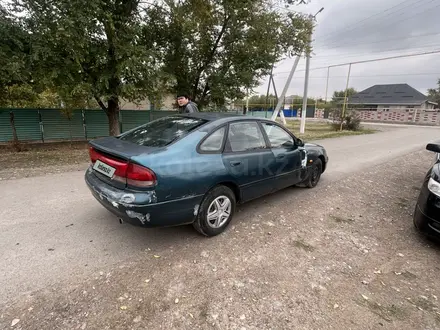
[327,60]
[369,17]
[389,58]
[351,55]
[371,60]
[372,76]
[405,18]
[382,41]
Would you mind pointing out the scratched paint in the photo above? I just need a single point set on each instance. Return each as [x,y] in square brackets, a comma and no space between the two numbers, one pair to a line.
[196,209]
[141,217]
[128,198]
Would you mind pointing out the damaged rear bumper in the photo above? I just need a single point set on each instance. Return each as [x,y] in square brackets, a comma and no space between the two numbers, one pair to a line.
[142,208]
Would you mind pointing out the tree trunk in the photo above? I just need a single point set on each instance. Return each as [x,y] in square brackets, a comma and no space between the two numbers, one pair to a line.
[113,116]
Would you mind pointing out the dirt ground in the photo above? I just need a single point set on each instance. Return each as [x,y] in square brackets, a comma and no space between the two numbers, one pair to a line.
[341,256]
[38,159]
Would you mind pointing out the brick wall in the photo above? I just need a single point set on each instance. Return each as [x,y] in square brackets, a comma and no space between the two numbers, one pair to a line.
[420,117]
[319,113]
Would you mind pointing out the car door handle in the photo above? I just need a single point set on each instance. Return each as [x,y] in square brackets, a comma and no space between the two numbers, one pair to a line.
[235,163]
[281,156]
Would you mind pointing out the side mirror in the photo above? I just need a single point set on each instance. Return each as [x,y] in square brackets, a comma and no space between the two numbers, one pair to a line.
[433,147]
[288,144]
[300,142]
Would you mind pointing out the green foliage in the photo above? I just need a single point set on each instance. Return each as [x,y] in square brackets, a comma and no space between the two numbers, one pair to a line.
[338,96]
[217,49]
[83,50]
[92,49]
[350,121]
[293,101]
[15,64]
[434,94]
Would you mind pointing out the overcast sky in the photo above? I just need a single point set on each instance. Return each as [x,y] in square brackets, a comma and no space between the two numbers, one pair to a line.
[356,30]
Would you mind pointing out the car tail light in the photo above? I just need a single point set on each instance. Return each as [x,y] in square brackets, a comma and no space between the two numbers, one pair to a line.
[126,173]
[93,154]
[120,165]
[140,176]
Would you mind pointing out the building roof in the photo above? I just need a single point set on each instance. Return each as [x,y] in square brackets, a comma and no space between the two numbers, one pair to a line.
[399,94]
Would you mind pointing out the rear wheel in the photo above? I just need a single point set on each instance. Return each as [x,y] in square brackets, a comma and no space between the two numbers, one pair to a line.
[216,211]
[315,174]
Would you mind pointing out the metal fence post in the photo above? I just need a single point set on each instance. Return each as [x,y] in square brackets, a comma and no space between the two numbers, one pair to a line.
[40,119]
[120,120]
[83,114]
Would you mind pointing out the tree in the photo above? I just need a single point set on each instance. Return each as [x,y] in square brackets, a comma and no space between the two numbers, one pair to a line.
[15,64]
[339,96]
[434,94]
[216,49]
[132,49]
[91,48]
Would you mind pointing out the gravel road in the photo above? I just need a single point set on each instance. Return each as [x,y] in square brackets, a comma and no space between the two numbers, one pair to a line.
[343,255]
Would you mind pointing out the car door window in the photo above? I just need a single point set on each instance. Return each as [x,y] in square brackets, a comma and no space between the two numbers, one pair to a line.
[278,137]
[214,142]
[245,136]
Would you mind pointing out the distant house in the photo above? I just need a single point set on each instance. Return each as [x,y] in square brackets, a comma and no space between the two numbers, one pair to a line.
[391,97]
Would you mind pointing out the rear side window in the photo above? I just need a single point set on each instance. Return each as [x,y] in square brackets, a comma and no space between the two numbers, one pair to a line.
[214,142]
[163,131]
[245,136]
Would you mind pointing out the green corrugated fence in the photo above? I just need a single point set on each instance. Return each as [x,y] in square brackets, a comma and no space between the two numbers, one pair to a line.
[53,125]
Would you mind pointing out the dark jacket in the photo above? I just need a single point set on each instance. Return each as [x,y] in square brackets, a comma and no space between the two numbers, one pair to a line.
[190,107]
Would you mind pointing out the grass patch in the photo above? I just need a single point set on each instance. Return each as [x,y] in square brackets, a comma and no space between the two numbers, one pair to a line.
[321,130]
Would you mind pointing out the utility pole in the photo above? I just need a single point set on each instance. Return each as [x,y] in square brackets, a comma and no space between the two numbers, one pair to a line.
[306,82]
[247,101]
[286,86]
[304,107]
[326,85]
[345,97]
[276,98]
[268,85]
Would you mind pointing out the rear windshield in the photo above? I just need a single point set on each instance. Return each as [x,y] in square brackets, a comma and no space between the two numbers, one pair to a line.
[163,131]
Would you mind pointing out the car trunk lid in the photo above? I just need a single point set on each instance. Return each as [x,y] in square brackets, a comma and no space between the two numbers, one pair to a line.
[111,159]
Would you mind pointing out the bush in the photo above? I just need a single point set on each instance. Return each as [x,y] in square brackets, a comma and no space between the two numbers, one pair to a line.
[350,122]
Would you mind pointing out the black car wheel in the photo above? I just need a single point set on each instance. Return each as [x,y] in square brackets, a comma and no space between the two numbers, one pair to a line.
[315,174]
[216,211]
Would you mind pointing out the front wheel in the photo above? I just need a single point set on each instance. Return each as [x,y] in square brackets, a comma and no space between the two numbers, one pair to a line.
[315,174]
[216,211]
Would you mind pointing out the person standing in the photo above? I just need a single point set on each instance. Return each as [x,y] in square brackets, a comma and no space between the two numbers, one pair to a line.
[185,104]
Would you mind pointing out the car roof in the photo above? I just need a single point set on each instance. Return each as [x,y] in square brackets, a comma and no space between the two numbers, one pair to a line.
[216,119]
[212,116]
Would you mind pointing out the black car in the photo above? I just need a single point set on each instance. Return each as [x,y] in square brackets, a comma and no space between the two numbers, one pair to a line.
[427,212]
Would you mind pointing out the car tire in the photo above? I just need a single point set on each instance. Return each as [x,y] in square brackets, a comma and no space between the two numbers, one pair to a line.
[222,200]
[315,174]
